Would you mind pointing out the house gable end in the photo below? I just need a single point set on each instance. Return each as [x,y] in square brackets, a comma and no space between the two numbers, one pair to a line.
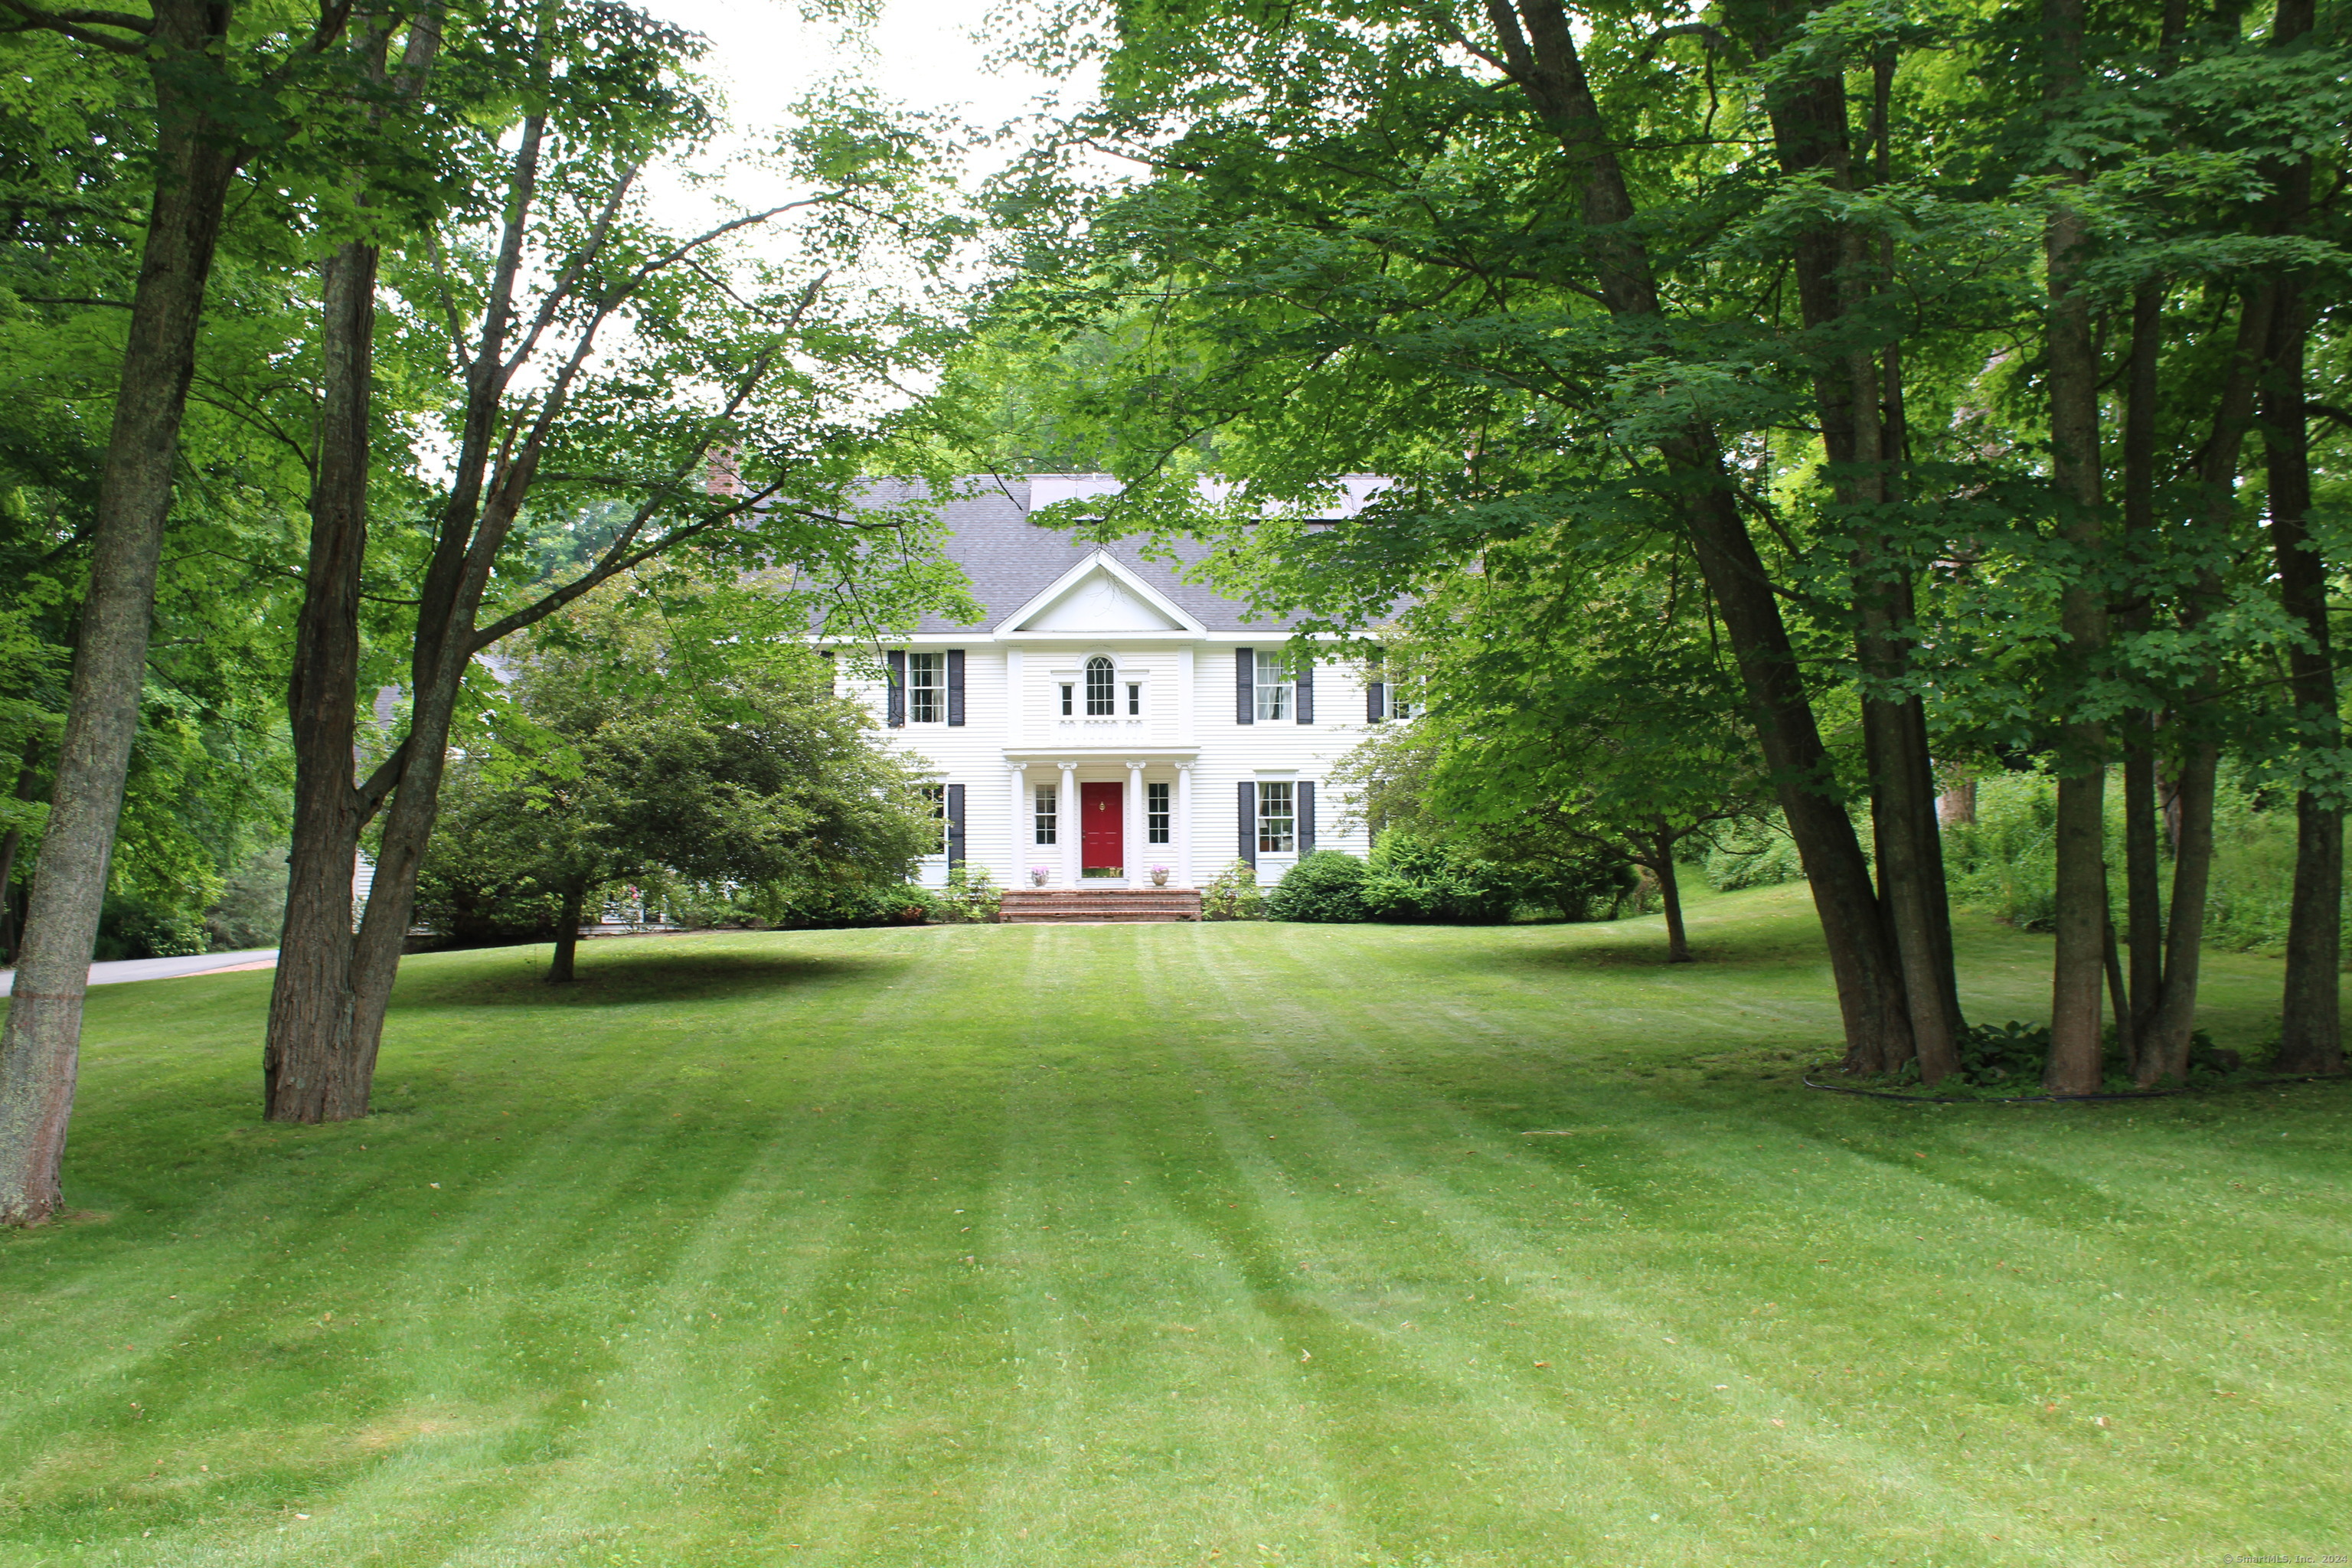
[1101,596]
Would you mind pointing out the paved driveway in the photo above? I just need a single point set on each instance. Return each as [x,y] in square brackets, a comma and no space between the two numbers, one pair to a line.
[129,969]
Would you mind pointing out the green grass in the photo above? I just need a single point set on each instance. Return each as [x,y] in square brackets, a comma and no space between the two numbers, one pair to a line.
[1169,1244]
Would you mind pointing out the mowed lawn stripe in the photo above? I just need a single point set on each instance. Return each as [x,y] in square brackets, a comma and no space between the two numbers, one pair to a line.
[693,1288]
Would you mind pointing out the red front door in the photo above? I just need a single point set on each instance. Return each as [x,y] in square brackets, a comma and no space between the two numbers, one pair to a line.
[1105,839]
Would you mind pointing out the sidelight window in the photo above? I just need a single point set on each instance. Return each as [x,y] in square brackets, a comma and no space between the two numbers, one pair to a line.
[1157,815]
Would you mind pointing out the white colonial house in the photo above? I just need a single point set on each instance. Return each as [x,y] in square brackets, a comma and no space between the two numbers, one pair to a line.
[1105,716]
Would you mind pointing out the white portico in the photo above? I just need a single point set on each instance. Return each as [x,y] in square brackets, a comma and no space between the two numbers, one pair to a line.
[1106,716]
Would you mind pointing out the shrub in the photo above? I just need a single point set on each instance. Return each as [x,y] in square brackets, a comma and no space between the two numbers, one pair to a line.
[130,927]
[971,896]
[832,909]
[1232,894]
[1326,887]
[1416,881]
[2009,1060]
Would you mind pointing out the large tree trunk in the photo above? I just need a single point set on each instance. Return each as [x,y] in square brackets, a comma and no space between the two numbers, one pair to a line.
[1669,891]
[2143,865]
[561,970]
[307,1063]
[40,1047]
[2143,897]
[1834,266]
[2311,1036]
[1540,51]
[1956,806]
[2165,1052]
[310,995]
[2311,1032]
[2078,969]
[437,670]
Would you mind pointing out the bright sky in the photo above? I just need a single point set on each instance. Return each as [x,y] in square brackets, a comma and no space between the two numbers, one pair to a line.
[927,54]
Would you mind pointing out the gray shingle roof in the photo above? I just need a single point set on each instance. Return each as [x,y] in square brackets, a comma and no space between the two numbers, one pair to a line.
[1010,560]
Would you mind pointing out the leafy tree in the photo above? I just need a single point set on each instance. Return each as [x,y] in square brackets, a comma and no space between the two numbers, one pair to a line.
[661,353]
[1816,302]
[629,755]
[211,94]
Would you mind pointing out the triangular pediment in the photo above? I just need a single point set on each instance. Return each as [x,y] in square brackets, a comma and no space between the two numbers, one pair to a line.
[1100,595]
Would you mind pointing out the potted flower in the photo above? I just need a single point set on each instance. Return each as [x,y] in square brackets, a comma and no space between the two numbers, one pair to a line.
[1160,876]
[1037,875]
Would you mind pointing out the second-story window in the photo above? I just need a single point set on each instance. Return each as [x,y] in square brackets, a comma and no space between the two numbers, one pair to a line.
[1102,685]
[1134,697]
[1275,688]
[927,687]
[1065,698]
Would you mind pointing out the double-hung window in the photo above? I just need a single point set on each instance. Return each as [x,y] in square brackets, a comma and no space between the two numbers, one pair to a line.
[927,687]
[1102,687]
[1048,814]
[1276,688]
[1156,814]
[1406,698]
[1278,817]
[935,797]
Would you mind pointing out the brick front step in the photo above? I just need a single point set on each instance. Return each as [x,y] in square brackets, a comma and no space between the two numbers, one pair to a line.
[1031,904]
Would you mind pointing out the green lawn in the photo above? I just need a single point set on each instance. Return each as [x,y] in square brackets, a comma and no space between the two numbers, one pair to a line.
[1170,1245]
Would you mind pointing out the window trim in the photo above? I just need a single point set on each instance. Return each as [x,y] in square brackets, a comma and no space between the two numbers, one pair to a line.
[1276,699]
[1159,811]
[937,794]
[1271,792]
[927,700]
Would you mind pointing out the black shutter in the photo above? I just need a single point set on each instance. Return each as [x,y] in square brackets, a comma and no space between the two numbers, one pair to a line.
[1244,685]
[955,688]
[1306,817]
[955,824]
[1376,690]
[832,672]
[1305,688]
[1248,855]
[895,679]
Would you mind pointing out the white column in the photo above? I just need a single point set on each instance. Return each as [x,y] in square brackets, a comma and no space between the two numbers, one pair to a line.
[1184,834]
[1066,825]
[1138,850]
[1024,831]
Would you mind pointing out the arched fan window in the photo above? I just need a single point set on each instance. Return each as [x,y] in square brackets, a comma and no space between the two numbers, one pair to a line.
[1101,702]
